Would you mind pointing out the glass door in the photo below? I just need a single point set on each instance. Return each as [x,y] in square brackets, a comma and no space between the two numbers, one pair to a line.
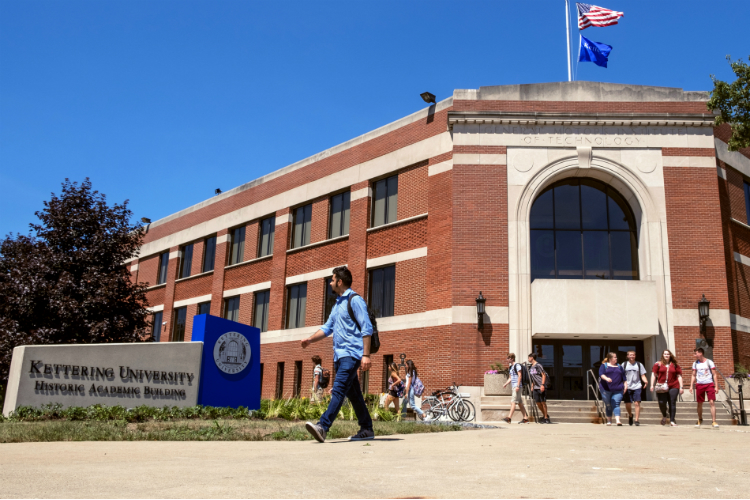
[545,354]
[573,375]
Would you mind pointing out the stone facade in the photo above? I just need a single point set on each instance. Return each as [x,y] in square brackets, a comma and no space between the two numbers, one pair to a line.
[469,169]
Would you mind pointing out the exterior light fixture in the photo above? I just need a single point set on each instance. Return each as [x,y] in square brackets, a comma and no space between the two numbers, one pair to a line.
[218,191]
[145,220]
[480,310]
[427,97]
[703,313]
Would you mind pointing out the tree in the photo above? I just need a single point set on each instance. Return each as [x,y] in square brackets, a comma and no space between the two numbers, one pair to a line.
[68,283]
[733,102]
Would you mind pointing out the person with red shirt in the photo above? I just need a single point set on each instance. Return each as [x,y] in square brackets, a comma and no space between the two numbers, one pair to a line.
[666,379]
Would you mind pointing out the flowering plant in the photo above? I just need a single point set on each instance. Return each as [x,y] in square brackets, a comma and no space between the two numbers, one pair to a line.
[496,369]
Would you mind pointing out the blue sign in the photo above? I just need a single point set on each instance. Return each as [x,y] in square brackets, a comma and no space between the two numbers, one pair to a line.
[230,364]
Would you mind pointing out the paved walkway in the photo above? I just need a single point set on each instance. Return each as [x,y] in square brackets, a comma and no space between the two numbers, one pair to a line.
[537,461]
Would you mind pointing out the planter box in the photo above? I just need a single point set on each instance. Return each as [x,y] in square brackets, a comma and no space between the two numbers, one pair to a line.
[493,385]
[745,389]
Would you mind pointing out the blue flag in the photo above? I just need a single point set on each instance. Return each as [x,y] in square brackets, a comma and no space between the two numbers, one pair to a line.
[594,52]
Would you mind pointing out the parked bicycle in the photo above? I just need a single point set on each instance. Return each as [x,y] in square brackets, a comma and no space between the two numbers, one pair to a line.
[451,403]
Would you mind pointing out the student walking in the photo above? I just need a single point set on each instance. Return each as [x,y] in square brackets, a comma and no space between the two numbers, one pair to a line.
[409,390]
[705,382]
[351,348]
[635,376]
[515,370]
[613,386]
[539,379]
[316,394]
[666,379]
[395,387]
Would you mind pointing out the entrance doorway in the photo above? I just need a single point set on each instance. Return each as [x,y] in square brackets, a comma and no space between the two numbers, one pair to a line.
[567,361]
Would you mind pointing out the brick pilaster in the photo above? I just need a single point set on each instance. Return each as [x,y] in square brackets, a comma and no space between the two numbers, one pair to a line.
[358,224]
[217,284]
[278,275]
[169,293]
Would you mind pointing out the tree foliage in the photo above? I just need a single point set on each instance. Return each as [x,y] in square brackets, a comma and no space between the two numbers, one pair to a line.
[733,102]
[68,283]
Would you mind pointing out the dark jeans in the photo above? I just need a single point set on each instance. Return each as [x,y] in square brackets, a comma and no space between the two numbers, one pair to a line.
[668,398]
[346,385]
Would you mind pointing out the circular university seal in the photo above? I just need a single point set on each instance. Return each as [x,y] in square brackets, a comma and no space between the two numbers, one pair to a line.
[232,353]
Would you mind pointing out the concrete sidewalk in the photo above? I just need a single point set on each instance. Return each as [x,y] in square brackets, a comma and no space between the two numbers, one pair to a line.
[554,461]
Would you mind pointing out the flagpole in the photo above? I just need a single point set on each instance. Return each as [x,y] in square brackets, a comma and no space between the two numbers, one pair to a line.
[567,31]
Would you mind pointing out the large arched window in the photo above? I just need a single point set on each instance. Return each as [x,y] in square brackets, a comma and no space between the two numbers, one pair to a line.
[582,229]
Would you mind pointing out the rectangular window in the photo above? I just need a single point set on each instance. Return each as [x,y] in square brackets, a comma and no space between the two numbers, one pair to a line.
[382,291]
[296,305]
[385,202]
[339,223]
[267,230]
[232,308]
[209,254]
[260,316]
[204,308]
[279,380]
[297,379]
[156,326]
[163,266]
[330,299]
[747,200]
[178,330]
[302,223]
[186,260]
[237,246]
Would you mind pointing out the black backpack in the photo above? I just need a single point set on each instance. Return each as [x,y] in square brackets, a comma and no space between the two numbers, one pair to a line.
[375,339]
[525,376]
[324,379]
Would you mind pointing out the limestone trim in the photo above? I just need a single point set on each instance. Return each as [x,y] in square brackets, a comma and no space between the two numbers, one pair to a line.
[735,159]
[377,167]
[739,323]
[134,268]
[174,255]
[154,287]
[396,223]
[648,202]
[191,301]
[154,309]
[742,259]
[361,193]
[438,168]
[222,239]
[284,219]
[436,317]
[689,317]
[247,289]
[397,257]
[721,173]
[580,119]
[313,275]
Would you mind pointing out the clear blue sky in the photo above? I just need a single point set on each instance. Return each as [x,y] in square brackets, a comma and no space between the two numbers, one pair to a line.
[161,102]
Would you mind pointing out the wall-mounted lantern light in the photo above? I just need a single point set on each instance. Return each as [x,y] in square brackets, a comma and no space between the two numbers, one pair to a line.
[480,310]
[703,313]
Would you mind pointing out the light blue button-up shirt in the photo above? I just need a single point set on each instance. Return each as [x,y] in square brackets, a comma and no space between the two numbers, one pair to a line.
[347,339]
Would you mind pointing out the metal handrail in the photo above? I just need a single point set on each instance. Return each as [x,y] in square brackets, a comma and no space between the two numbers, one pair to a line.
[595,389]
[732,410]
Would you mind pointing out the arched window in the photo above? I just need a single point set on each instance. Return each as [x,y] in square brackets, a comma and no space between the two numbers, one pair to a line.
[582,229]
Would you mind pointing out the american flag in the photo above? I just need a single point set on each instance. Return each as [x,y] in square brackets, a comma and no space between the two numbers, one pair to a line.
[592,15]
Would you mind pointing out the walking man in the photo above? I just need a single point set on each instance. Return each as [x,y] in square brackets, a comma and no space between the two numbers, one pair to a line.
[635,376]
[704,373]
[538,379]
[515,370]
[351,349]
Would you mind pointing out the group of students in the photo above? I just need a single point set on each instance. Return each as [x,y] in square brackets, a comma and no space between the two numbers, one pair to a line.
[408,387]
[628,380]
[625,382]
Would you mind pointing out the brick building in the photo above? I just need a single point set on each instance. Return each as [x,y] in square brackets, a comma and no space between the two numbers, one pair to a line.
[591,216]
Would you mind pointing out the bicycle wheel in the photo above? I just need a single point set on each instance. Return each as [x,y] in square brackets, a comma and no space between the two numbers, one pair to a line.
[467,411]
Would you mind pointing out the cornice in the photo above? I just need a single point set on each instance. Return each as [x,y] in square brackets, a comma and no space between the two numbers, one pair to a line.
[581,119]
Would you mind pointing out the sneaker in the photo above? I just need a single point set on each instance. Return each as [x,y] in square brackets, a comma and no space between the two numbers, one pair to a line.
[673,424]
[427,419]
[524,421]
[637,423]
[547,420]
[316,431]
[664,421]
[714,425]
[698,423]
[541,421]
[363,435]
[630,420]
[506,420]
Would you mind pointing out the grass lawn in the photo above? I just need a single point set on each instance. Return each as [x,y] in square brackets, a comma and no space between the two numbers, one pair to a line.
[193,430]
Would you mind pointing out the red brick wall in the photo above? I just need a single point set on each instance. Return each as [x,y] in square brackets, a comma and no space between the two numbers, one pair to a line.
[148,268]
[277,299]
[196,266]
[248,274]
[735,193]
[411,286]
[395,239]
[319,221]
[412,191]
[315,298]
[155,296]
[193,287]
[438,276]
[319,257]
